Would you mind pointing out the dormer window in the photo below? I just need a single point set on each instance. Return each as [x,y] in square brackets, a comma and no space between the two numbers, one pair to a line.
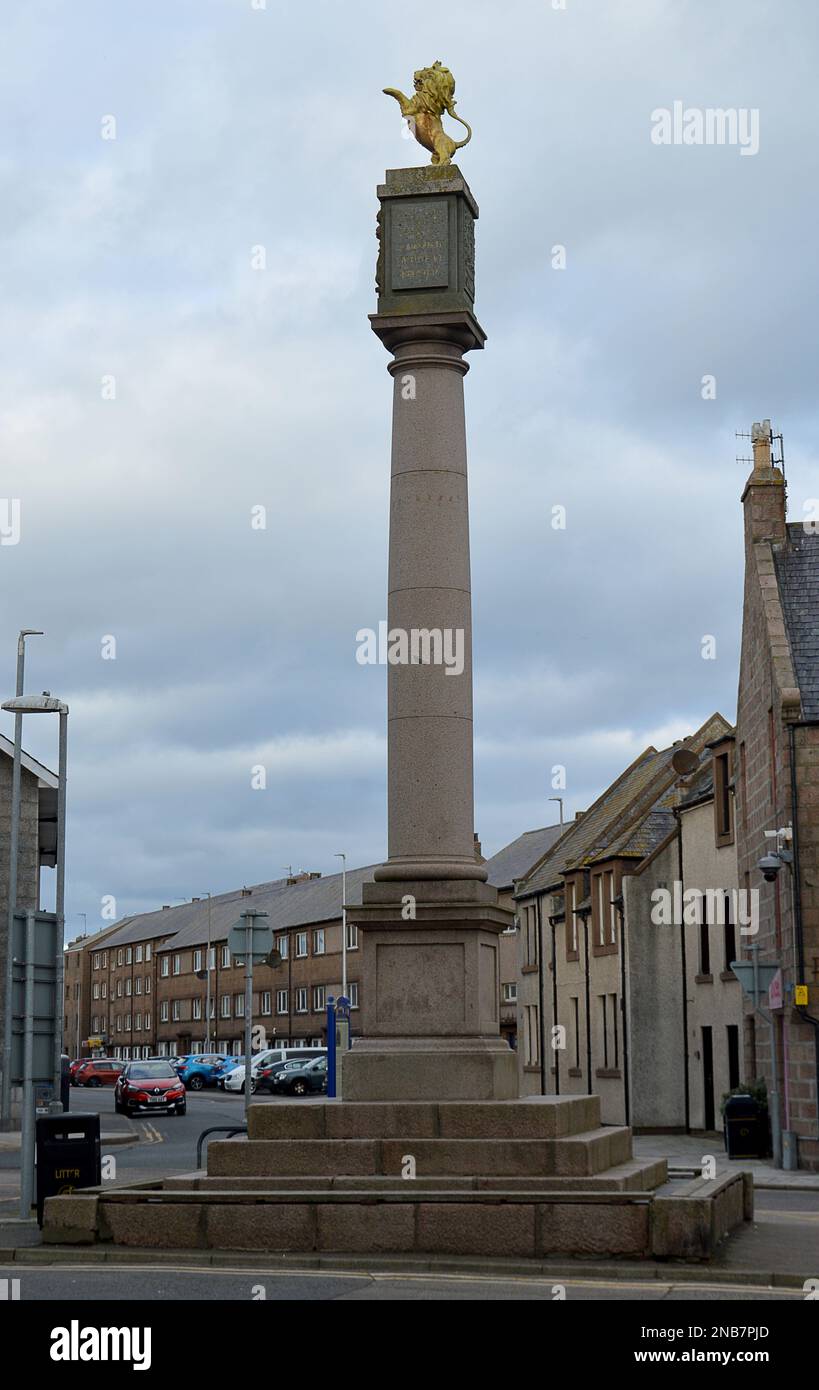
[723,799]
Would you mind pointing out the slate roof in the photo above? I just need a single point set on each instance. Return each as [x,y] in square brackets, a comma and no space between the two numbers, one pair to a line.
[519,858]
[797,573]
[288,905]
[615,821]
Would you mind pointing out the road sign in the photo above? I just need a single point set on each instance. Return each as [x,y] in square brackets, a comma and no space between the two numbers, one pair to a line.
[42,984]
[261,938]
[744,971]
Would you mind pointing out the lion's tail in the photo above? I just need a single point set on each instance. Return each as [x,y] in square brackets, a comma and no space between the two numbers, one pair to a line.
[459,144]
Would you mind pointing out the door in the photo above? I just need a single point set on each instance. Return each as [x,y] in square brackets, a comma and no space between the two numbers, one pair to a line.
[708,1078]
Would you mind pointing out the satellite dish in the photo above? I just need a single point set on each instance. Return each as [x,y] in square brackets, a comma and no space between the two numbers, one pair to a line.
[684,761]
[201,974]
[274,958]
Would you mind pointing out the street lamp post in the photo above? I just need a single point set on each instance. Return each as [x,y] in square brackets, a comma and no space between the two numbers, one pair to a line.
[5,1096]
[343,859]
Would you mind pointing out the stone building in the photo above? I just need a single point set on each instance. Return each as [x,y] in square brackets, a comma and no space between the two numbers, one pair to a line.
[146,991]
[607,982]
[515,861]
[778,783]
[38,836]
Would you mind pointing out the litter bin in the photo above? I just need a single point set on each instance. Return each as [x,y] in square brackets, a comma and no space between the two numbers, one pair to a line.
[746,1128]
[68,1155]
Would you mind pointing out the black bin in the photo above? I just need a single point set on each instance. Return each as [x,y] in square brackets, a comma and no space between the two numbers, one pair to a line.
[746,1128]
[68,1155]
[65,1081]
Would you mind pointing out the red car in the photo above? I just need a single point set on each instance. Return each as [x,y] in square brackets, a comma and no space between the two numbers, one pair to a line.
[97,1071]
[149,1086]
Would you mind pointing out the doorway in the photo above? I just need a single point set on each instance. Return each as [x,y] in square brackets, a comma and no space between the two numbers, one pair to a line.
[708,1078]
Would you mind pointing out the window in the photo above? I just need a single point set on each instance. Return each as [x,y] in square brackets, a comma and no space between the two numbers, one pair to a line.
[163,1011]
[127,1023]
[118,1028]
[197,960]
[282,943]
[212,1007]
[601,914]
[96,962]
[119,989]
[352,994]
[138,1023]
[319,998]
[531,1036]
[164,967]
[138,985]
[301,944]
[705,943]
[509,993]
[723,808]
[119,957]
[575,1003]
[530,936]
[614,1031]
[95,990]
[176,1010]
[104,990]
[301,1001]
[177,965]
[225,1006]
[265,1002]
[318,941]
[212,958]
[281,1001]
[104,959]
[352,936]
[729,933]
[571,922]
[128,988]
[604,1028]
[147,950]
[197,1009]
[128,955]
[225,958]
[147,1021]
[239,1004]
[732,1031]
[138,954]
[147,984]
[163,1049]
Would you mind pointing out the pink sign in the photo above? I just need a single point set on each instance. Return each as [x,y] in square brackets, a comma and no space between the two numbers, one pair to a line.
[775,1000]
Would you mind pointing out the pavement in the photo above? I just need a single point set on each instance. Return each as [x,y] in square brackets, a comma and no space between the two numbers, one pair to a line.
[10,1140]
[689,1151]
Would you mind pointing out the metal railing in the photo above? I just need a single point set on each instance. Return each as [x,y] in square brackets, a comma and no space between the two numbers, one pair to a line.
[229,1130]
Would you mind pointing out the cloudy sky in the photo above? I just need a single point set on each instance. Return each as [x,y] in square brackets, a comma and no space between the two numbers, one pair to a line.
[132,258]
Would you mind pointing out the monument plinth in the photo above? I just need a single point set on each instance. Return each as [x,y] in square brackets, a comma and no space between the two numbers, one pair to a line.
[430,921]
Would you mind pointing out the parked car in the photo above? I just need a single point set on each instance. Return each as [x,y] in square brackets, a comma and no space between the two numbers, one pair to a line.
[298,1081]
[98,1071]
[149,1086]
[234,1080]
[75,1066]
[201,1070]
[263,1079]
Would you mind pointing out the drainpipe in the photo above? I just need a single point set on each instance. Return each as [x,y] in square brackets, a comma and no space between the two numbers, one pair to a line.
[797,887]
[620,907]
[556,1050]
[684,968]
[588,1003]
[540,995]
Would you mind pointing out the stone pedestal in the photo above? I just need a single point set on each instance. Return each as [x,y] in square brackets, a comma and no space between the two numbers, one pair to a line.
[430,922]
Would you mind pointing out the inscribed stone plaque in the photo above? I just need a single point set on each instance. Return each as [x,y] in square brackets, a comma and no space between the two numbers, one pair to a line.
[420,245]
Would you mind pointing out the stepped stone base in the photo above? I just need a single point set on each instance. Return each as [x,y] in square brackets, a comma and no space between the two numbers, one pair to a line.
[527,1178]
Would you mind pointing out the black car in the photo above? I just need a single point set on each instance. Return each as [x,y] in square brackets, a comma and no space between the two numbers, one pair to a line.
[144,1086]
[298,1081]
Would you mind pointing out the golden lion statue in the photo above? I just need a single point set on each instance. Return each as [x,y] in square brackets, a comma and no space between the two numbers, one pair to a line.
[434,94]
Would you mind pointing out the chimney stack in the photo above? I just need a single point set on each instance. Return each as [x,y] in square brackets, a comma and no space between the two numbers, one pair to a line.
[764,495]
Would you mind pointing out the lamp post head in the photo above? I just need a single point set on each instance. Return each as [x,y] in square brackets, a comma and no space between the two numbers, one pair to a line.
[35,704]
